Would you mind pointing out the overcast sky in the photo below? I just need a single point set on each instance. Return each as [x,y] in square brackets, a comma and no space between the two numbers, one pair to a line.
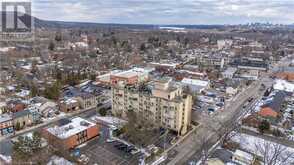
[167,11]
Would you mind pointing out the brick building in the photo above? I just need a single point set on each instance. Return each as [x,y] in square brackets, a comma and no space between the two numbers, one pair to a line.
[6,124]
[71,133]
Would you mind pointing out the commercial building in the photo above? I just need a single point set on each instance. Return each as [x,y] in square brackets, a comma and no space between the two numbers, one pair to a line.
[6,124]
[161,101]
[71,133]
[214,60]
[105,78]
[247,63]
[195,85]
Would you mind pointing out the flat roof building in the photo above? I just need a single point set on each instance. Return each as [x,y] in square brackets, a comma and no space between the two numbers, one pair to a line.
[195,85]
[72,133]
[6,124]
[131,76]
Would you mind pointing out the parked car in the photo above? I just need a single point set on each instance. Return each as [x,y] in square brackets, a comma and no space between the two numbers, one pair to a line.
[250,99]
[129,149]
[135,151]
[110,140]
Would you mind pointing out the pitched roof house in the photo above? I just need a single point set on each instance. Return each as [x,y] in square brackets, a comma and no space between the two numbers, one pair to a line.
[273,108]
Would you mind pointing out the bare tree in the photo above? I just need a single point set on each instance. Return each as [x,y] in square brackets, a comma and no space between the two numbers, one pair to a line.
[204,149]
[274,153]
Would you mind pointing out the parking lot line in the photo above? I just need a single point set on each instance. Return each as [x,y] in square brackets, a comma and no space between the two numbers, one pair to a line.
[106,155]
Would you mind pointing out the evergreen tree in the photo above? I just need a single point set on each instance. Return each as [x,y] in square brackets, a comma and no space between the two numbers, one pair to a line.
[264,126]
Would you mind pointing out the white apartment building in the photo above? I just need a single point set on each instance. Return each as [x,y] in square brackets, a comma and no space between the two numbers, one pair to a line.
[161,101]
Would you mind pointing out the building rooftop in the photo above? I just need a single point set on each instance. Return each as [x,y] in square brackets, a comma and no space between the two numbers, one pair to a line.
[127,74]
[72,128]
[195,82]
[283,85]
[243,154]
[230,70]
[20,114]
[106,77]
[5,117]
[68,101]
[133,72]
[173,65]
[277,101]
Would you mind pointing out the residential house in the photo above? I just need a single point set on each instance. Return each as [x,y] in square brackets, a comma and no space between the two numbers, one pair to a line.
[23,94]
[36,116]
[251,121]
[46,108]
[272,109]
[3,107]
[15,105]
[22,119]
[68,105]
[243,158]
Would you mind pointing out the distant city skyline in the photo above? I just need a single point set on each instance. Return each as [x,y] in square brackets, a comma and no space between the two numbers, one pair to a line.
[166,11]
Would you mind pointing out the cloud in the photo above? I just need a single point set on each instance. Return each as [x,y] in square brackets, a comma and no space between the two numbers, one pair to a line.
[167,11]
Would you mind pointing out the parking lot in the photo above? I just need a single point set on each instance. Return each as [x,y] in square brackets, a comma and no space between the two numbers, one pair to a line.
[105,153]
[105,150]
[101,155]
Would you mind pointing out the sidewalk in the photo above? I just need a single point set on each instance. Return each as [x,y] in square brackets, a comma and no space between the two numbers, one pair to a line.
[278,140]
